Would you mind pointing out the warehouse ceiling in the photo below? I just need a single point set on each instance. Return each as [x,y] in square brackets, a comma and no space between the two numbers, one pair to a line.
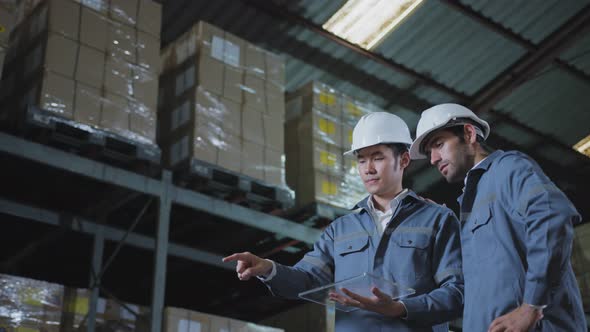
[524,66]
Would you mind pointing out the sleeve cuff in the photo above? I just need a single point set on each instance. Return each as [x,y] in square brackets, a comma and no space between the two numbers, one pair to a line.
[536,292]
[272,273]
[404,317]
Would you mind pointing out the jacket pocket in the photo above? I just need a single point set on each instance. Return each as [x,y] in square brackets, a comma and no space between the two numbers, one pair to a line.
[351,257]
[410,260]
[349,246]
[481,219]
[484,237]
[412,240]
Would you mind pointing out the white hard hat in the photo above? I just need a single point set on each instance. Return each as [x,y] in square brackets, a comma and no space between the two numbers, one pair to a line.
[379,128]
[440,116]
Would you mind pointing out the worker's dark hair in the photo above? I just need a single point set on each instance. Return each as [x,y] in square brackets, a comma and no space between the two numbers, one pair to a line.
[459,130]
[397,148]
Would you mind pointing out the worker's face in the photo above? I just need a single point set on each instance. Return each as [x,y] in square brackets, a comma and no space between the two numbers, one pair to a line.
[380,170]
[449,154]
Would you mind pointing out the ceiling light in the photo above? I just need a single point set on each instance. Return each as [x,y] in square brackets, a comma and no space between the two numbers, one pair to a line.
[583,146]
[367,22]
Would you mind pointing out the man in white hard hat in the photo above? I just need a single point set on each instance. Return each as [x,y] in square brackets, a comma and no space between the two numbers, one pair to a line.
[395,234]
[516,228]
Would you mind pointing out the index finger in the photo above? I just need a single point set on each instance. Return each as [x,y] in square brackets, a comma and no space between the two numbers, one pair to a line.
[233,258]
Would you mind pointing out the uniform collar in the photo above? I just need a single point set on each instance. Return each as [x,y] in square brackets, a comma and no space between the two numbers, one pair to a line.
[403,196]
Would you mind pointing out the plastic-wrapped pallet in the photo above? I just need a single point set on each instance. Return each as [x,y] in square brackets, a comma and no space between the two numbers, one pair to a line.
[222,102]
[95,62]
[29,305]
[182,320]
[318,131]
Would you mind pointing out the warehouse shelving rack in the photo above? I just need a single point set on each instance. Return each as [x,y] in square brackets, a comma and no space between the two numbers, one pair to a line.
[161,189]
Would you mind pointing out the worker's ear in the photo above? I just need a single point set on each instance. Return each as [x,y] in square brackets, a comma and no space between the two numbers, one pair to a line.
[404,160]
[469,133]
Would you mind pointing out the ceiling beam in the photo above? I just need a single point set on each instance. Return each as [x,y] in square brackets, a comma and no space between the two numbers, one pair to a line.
[512,36]
[281,12]
[515,75]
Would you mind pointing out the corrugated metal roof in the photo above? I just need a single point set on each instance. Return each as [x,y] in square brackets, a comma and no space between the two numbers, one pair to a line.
[534,20]
[433,42]
[554,102]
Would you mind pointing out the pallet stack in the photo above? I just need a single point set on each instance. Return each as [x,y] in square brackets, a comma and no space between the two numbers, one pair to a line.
[222,102]
[35,306]
[318,131]
[182,320]
[95,63]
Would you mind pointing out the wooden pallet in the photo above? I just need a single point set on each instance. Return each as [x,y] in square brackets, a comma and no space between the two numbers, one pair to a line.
[237,188]
[47,128]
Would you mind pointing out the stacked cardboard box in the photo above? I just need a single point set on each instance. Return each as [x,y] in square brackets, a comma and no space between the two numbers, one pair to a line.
[307,317]
[94,62]
[29,305]
[318,131]
[182,320]
[222,101]
[110,315]
[581,261]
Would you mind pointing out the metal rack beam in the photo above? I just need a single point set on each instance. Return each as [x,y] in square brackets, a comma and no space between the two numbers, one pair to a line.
[108,233]
[135,182]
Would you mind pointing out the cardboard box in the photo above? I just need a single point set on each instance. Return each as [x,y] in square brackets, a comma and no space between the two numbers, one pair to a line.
[274,168]
[229,152]
[149,18]
[181,320]
[148,51]
[253,160]
[145,87]
[90,66]
[252,126]
[346,140]
[233,53]
[60,55]
[202,146]
[94,29]
[255,61]
[254,94]
[230,116]
[59,16]
[117,78]
[274,132]
[88,105]
[122,42]
[124,11]
[219,324]
[275,69]
[57,95]
[144,126]
[210,73]
[275,99]
[115,115]
[314,186]
[233,79]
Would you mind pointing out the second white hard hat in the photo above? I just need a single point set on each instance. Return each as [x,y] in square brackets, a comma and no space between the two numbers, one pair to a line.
[379,128]
[440,116]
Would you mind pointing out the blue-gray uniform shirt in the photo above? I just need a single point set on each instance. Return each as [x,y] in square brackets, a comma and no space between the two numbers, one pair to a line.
[516,246]
[421,251]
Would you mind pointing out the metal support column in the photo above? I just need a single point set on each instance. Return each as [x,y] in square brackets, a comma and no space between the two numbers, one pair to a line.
[94,274]
[161,253]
